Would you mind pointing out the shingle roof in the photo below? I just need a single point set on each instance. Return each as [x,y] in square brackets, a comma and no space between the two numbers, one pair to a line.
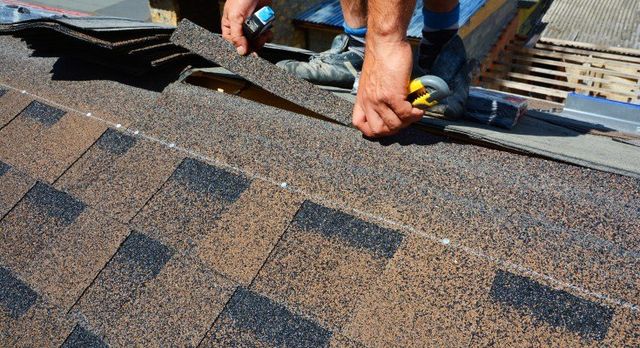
[329,13]
[192,217]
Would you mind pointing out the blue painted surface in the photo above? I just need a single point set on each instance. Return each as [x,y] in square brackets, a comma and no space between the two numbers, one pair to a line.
[329,13]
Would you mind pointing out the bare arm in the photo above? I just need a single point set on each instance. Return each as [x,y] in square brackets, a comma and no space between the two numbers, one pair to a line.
[381,107]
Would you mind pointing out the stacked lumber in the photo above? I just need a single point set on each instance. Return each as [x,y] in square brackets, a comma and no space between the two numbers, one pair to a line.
[550,72]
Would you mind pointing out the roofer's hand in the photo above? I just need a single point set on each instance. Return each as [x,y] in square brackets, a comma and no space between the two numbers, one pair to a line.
[234,15]
[381,107]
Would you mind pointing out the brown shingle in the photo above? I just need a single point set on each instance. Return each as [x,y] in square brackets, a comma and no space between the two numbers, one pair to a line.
[13,185]
[44,140]
[245,234]
[428,295]
[57,244]
[119,173]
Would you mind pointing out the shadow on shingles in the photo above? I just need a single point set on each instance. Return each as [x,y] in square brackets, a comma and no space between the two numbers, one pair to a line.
[411,136]
[75,69]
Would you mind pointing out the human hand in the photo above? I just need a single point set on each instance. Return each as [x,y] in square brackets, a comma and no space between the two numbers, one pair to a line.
[235,13]
[381,107]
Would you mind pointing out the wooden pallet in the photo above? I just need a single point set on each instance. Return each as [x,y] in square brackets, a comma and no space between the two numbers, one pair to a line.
[550,72]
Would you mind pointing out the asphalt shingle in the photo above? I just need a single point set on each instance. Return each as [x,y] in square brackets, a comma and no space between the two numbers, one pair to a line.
[11,103]
[57,244]
[44,141]
[319,274]
[13,186]
[120,173]
[250,319]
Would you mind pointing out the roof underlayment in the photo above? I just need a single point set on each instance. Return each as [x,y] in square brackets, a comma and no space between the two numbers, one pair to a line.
[191,217]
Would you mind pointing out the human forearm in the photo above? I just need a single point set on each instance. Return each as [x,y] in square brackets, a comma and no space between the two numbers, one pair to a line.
[389,19]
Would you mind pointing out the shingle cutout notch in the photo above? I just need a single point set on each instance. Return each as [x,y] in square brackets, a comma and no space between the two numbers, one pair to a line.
[54,203]
[45,114]
[15,296]
[4,168]
[146,253]
[555,307]
[273,323]
[81,337]
[115,142]
[210,180]
[360,234]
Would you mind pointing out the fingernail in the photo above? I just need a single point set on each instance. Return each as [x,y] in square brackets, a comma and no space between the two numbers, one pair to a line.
[241,50]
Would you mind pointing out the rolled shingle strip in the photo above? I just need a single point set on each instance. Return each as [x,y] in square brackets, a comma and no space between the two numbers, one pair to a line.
[262,73]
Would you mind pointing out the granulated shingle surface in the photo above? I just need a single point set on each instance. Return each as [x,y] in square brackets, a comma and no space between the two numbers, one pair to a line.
[57,244]
[317,270]
[556,308]
[187,206]
[40,325]
[176,308]
[81,337]
[13,185]
[250,319]
[262,73]
[44,141]
[79,85]
[409,241]
[428,294]
[11,103]
[119,173]
[468,194]
[240,240]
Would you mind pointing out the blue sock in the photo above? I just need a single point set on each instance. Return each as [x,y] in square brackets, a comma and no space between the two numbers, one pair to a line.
[356,38]
[436,21]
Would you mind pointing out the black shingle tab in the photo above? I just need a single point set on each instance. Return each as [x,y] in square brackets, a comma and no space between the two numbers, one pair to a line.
[16,296]
[358,233]
[207,179]
[555,307]
[2,92]
[55,203]
[4,168]
[45,114]
[83,338]
[273,323]
[117,143]
[146,252]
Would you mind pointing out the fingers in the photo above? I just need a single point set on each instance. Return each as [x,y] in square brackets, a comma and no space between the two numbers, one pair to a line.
[232,19]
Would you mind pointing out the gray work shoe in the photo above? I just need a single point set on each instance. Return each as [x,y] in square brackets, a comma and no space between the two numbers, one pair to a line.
[336,67]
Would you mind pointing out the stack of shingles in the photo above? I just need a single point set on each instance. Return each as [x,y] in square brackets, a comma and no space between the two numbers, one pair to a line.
[126,45]
[126,241]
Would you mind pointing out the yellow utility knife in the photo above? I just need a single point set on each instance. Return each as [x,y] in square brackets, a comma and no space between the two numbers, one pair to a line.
[426,91]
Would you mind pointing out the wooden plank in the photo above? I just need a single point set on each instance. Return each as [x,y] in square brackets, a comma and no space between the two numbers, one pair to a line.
[598,54]
[529,88]
[575,57]
[622,82]
[569,85]
[573,65]
[584,45]
[164,11]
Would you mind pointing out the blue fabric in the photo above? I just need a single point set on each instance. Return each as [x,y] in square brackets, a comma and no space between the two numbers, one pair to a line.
[441,20]
[329,13]
[357,32]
